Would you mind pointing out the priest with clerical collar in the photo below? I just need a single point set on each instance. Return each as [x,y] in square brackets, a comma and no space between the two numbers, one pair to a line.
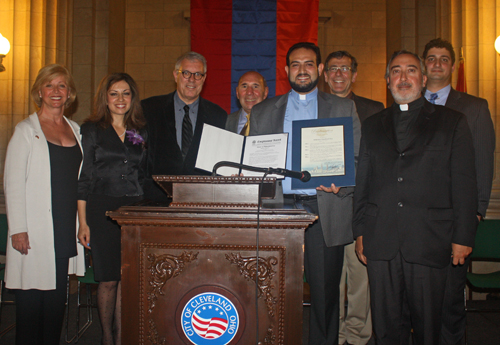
[404,117]
[415,203]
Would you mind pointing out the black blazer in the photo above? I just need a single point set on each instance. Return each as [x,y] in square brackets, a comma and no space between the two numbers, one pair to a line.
[478,117]
[164,154]
[366,107]
[422,198]
[110,167]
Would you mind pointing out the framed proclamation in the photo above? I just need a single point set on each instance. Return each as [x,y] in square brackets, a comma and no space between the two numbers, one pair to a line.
[325,148]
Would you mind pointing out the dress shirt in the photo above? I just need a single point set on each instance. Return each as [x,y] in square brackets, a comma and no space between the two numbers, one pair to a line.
[179,115]
[242,120]
[442,95]
[299,107]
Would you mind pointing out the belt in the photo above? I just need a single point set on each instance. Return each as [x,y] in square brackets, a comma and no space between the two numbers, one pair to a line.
[300,197]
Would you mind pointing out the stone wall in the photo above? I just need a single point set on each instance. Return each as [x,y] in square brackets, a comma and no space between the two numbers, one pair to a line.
[359,27]
[157,32]
[40,33]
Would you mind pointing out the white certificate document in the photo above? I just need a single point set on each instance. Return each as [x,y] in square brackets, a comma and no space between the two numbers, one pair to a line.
[263,151]
[322,151]
[219,145]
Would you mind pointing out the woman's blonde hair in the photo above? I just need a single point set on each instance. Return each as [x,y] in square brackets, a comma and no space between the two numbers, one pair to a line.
[49,73]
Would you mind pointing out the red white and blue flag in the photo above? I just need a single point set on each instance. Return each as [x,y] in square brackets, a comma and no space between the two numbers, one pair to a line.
[237,36]
[211,328]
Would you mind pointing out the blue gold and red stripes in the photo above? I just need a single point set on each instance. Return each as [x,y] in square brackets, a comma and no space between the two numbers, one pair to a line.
[236,36]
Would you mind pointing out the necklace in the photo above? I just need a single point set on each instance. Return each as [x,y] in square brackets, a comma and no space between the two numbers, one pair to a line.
[121,135]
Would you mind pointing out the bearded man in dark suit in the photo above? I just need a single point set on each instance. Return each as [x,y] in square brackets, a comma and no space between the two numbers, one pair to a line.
[415,204]
[341,70]
[175,122]
[439,58]
[324,239]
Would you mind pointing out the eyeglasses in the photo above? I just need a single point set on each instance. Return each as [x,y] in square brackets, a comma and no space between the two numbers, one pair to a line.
[187,74]
[343,69]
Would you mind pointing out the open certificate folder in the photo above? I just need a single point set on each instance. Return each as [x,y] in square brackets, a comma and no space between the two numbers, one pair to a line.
[263,151]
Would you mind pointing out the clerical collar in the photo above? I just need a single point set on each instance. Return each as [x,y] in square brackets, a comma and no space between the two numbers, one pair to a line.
[416,104]
[304,98]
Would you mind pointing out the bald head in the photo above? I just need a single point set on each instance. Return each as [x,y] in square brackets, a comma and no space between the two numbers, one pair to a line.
[251,90]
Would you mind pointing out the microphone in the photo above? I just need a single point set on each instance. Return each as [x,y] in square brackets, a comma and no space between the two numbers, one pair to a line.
[304,176]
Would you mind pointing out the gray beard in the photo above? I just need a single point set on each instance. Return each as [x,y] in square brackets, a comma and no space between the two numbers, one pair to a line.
[406,99]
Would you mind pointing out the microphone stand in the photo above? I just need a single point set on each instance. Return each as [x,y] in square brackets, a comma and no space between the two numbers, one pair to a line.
[257,252]
[265,171]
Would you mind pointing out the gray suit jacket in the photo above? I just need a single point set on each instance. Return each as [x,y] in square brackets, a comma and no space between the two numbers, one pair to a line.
[478,117]
[335,210]
[232,121]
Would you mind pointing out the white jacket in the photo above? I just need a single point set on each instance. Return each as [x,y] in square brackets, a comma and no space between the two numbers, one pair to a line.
[28,201]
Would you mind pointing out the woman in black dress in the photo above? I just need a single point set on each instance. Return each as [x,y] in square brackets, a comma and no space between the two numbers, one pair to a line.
[113,140]
[41,173]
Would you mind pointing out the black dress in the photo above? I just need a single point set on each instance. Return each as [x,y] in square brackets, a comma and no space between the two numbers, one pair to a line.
[40,313]
[64,167]
[111,177]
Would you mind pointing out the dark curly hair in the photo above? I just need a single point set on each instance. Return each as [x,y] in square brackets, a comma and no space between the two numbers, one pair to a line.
[439,43]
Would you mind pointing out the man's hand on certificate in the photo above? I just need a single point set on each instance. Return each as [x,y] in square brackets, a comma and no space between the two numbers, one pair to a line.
[332,189]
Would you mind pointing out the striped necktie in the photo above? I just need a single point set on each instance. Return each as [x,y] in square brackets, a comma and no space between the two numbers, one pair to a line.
[187,132]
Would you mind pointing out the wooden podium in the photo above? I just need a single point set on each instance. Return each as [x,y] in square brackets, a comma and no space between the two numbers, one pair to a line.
[188,270]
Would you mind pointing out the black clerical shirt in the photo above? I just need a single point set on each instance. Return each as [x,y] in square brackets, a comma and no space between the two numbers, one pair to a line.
[404,120]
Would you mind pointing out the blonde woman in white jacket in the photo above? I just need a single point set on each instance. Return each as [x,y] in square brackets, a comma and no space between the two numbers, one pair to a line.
[40,182]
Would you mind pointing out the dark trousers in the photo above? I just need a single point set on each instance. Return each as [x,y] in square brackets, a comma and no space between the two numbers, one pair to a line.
[40,313]
[323,268]
[396,287]
[454,317]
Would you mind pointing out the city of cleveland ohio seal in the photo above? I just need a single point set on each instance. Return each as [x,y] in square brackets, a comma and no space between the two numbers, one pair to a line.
[210,318]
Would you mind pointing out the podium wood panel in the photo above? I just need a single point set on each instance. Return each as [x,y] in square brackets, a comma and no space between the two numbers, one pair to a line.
[171,254]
